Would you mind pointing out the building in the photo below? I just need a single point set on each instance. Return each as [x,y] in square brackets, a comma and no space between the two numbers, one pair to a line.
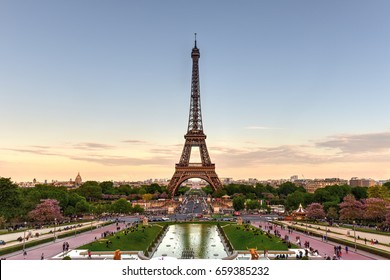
[78,181]
[361,182]
[312,185]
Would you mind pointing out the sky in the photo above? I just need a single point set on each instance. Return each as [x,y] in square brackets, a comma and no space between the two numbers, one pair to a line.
[103,88]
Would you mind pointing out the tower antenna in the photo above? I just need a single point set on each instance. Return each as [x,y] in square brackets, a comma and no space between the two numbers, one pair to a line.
[195,40]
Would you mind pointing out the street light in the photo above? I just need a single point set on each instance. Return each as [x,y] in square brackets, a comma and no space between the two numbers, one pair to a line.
[24,238]
[354,233]
[326,230]
[55,222]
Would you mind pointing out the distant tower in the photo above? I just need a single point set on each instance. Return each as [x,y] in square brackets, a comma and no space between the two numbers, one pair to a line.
[194,138]
[78,181]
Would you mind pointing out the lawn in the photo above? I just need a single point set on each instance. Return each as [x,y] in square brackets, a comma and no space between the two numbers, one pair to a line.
[138,240]
[243,238]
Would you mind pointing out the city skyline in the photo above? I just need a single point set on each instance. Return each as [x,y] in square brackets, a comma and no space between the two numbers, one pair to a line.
[104,88]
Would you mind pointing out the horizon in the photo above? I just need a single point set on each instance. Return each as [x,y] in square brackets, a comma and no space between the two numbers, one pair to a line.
[286,88]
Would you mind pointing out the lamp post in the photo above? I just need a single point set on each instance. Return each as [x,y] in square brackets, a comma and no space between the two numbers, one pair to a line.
[326,232]
[354,233]
[24,238]
[55,222]
[306,228]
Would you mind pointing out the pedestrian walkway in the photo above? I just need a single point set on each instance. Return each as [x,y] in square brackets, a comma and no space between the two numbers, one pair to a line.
[30,235]
[324,248]
[347,234]
[51,249]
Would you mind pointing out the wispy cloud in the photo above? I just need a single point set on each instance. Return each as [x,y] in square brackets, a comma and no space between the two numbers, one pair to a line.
[92,146]
[123,161]
[373,147]
[134,141]
[259,127]
[46,152]
[358,143]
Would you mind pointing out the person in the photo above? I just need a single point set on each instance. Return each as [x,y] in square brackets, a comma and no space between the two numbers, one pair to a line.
[346,249]
[89,254]
[24,254]
[42,256]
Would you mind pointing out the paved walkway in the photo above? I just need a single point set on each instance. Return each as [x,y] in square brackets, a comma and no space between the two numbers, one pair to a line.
[347,234]
[54,248]
[11,237]
[324,248]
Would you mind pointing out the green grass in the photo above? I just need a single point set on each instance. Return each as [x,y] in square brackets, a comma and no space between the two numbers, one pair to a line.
[133,241]
[241,239]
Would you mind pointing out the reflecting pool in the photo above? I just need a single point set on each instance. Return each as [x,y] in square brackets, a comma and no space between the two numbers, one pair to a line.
[201,239]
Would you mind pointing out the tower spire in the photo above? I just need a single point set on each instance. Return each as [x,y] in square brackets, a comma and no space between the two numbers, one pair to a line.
[195,40]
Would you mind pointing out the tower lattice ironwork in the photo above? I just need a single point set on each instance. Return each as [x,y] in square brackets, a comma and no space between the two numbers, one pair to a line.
[195,137]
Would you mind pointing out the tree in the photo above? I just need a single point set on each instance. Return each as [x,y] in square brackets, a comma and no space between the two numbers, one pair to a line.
[137,209]
[82,207]
[147,197]
[47,211]
[387,221]
[378,192]
[294,199]
[107,187]
[359,192]
[2,222]
[252,204]
[238,203]
[315,211]
[91,190]
[375,209]
[351,209]
[10,199]
[287,188]
[324,195]
[208,189]
[121,206]
[332,213]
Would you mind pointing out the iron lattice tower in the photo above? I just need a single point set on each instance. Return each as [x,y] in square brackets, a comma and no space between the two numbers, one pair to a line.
[195,137]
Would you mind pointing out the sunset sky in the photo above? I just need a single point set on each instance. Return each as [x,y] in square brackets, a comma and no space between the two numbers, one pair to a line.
[103,87]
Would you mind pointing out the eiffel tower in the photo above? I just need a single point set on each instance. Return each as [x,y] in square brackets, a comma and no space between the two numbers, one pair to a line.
[195,137]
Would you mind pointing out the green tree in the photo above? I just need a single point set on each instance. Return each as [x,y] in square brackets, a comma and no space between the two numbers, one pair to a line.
[359,192]
[137,209]
[324,195]
[252,204]
[121,206]
[208,189]
[238,203]
[91,190]
[2,222]
[10,199]
[82,207]
[294,199]
[287,188]
[219,193]
[107,187]
[378,192]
